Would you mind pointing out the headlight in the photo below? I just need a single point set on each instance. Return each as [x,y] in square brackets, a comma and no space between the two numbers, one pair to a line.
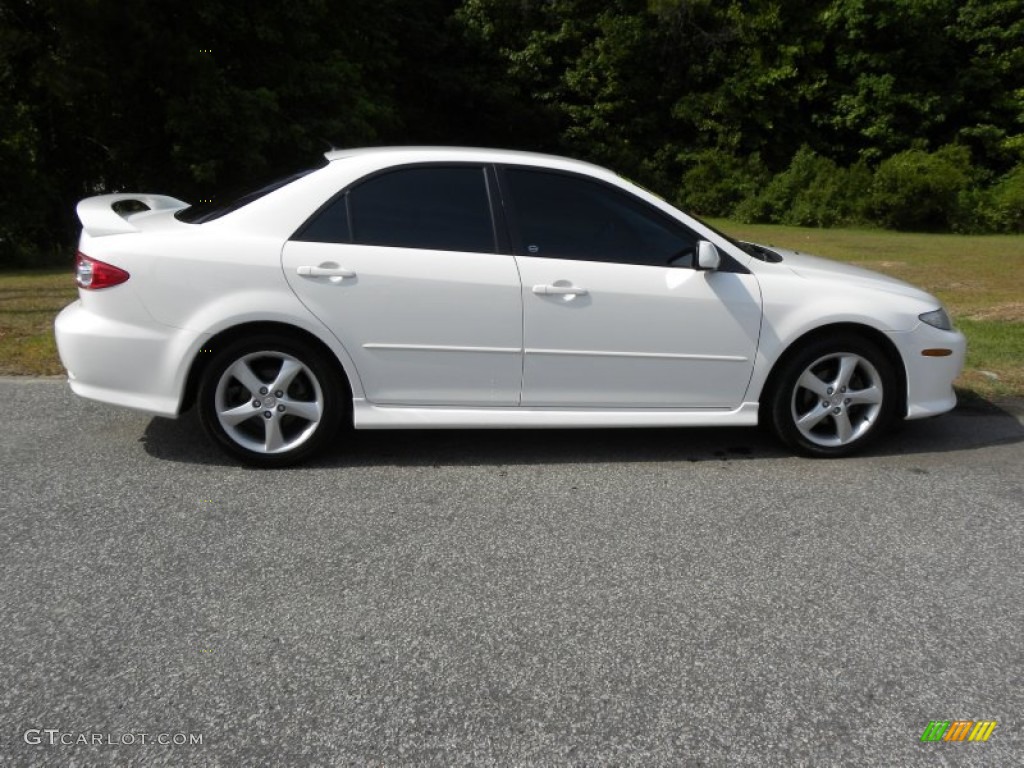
[937,319]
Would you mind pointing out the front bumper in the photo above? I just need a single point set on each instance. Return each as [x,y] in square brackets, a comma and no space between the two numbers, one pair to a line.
[930,378]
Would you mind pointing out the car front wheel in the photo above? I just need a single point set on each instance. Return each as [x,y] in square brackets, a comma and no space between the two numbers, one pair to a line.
[272,401]
[834,397]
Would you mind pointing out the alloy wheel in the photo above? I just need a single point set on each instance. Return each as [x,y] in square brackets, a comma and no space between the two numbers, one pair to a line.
[269,402]
[837,399]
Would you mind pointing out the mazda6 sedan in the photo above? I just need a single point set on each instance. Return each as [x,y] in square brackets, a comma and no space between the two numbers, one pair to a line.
[418,287]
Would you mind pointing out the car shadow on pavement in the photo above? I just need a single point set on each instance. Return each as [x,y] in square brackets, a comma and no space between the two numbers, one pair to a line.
[977,424]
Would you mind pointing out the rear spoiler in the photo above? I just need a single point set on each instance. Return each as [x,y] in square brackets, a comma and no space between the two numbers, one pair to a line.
[98,216]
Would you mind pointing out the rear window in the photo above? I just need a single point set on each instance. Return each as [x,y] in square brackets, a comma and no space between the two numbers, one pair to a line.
[203,212]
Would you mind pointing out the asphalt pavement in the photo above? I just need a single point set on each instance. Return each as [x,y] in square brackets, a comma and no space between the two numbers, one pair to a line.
[611,597]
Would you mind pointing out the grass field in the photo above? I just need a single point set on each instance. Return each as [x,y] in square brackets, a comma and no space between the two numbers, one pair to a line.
[980,279]
[28,303]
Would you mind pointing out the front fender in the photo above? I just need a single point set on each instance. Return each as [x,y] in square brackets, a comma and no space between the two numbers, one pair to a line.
[789,316]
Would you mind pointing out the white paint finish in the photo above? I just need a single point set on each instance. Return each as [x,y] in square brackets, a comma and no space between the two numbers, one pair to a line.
[930,379]
[371,416]
[444,348]
[421,326]
[795,305]
[191,273]
[99,218]
[639,355]
[815,268]
[640,336]
[131,364]
[186,283]
[605,344]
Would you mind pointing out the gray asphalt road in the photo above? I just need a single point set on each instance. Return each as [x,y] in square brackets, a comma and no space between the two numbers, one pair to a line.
[635,597]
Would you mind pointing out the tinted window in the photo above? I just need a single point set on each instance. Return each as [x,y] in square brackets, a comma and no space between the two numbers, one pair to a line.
[569,217]
[203,212]
[436,208]
[330,225]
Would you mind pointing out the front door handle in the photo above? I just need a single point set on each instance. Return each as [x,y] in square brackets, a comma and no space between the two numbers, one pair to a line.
[325,272]
[559,290]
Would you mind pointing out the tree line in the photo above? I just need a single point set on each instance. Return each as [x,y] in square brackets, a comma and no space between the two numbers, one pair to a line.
[898,113]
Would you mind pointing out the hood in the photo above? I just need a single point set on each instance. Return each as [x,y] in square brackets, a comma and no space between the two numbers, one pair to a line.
[817,268]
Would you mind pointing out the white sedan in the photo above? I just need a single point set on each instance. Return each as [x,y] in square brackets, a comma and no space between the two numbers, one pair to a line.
[442,287]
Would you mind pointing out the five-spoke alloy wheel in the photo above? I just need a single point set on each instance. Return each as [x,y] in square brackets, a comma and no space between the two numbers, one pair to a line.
[834,396]
[272,401]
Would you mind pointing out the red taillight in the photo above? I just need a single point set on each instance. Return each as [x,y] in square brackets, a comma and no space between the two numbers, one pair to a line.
[92,275]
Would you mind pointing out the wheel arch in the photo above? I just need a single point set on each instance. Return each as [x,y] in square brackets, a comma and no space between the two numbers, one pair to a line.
[249,329]
[875,336]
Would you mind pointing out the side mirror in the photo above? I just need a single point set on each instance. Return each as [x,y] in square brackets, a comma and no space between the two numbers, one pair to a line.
[708,257]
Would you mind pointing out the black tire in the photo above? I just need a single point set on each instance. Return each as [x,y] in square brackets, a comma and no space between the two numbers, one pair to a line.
[289,423]
[834,397]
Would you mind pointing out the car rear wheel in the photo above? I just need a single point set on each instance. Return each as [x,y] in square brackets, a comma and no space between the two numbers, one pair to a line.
[272,401]
[834,397]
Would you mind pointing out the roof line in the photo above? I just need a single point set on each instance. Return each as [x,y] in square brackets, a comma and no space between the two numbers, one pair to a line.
[337,154]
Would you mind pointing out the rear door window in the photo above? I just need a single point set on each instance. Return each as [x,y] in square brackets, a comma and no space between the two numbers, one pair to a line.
[442,208]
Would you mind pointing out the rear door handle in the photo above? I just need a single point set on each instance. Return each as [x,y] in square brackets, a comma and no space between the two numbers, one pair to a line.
[559,290]
[325,272]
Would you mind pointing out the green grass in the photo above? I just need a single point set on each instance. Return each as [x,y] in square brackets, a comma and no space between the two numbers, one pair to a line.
[28,303]
[995,358]
[980,280]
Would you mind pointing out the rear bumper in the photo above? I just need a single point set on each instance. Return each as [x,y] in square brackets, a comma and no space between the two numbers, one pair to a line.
[123,364]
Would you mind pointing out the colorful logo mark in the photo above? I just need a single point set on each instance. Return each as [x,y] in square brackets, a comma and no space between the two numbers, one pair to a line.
[958,730]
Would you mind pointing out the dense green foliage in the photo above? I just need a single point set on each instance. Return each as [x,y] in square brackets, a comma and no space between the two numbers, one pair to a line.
[900,113]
